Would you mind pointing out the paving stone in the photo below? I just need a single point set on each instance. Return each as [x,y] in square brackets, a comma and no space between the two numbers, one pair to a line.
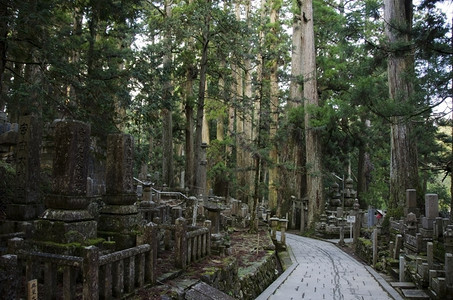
[414,294]
[403,285]
[324,271]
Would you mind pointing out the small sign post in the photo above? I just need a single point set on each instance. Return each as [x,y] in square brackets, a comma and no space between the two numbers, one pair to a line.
[350,220]
[33,289]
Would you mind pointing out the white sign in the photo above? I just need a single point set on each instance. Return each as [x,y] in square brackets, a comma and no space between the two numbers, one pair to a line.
[350,219]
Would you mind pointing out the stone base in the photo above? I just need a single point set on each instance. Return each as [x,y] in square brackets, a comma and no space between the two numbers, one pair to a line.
[414,210]
[427,233]
[123,199]
[64,232]
[118,222]
[66,215]
[10,227]
[24,212]
[122,240]
[427,223]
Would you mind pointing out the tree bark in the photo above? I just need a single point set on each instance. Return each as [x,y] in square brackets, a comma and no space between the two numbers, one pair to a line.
[274,184]
[315,193]
[3,36]
[403,165]
[201,100]
[167,120]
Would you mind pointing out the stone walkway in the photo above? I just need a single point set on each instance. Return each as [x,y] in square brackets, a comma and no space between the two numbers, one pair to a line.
[321,270]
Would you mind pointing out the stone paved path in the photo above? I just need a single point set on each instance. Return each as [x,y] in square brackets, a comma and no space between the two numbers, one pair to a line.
[323,271]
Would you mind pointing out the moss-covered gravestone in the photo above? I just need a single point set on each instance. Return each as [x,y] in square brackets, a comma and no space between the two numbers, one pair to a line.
[66,223]
[119,218]
[25,204]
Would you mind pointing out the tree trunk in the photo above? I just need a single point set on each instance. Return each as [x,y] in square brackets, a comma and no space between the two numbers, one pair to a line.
[403,165]
[167,120]
[295,148]
[274,204]
[200,105]
[3,36]
[189,128]
[315,193]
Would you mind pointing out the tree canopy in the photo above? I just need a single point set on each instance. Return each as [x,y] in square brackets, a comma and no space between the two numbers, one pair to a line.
[179,73]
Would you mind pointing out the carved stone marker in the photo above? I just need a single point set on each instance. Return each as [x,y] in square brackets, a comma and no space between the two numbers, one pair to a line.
[119,217]
[67,219]
[27,203]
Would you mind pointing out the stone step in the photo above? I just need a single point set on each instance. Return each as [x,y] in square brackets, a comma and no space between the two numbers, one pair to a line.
[403,285]
[414,294]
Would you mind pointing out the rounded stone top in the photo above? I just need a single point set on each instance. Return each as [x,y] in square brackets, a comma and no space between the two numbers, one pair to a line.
[411,217]
[335,185]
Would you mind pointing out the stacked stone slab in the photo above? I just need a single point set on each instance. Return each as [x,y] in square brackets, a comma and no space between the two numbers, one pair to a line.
[66,219]
[431,213]
[27,204]
[119,218]
[411,203]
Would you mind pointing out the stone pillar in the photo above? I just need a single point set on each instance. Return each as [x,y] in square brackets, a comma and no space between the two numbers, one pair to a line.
[274,224]
[181,243]
[370,216]
[67,219]
[150,237]
[302,217]
[448,239]
[431,211]
[283,226]
[27,204]
[398,245]
[375,247]
[9,274]
[207,224]
[146,196]
[201,181]
[430,255]
[411,203]
[402,269]
[449,275]
[119,217]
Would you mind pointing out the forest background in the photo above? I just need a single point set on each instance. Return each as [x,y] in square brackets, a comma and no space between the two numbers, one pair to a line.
[176,74]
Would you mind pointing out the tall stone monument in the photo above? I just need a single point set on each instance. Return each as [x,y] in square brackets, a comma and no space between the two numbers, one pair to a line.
[119,218]
[27,204]
[67,219]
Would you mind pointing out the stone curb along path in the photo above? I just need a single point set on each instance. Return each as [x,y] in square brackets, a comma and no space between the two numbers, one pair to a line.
[321,270]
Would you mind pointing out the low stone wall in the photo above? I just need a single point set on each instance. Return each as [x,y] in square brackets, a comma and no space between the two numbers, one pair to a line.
[364,250]
[255,282]
[245,283]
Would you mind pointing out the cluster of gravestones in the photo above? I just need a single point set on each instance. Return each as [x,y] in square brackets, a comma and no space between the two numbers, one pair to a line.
[424,247]
[61,215]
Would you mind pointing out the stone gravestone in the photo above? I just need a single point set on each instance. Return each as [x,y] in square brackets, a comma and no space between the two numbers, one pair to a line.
[119,218]
[67,219]
[411,203]
[431,211]
[27,205]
